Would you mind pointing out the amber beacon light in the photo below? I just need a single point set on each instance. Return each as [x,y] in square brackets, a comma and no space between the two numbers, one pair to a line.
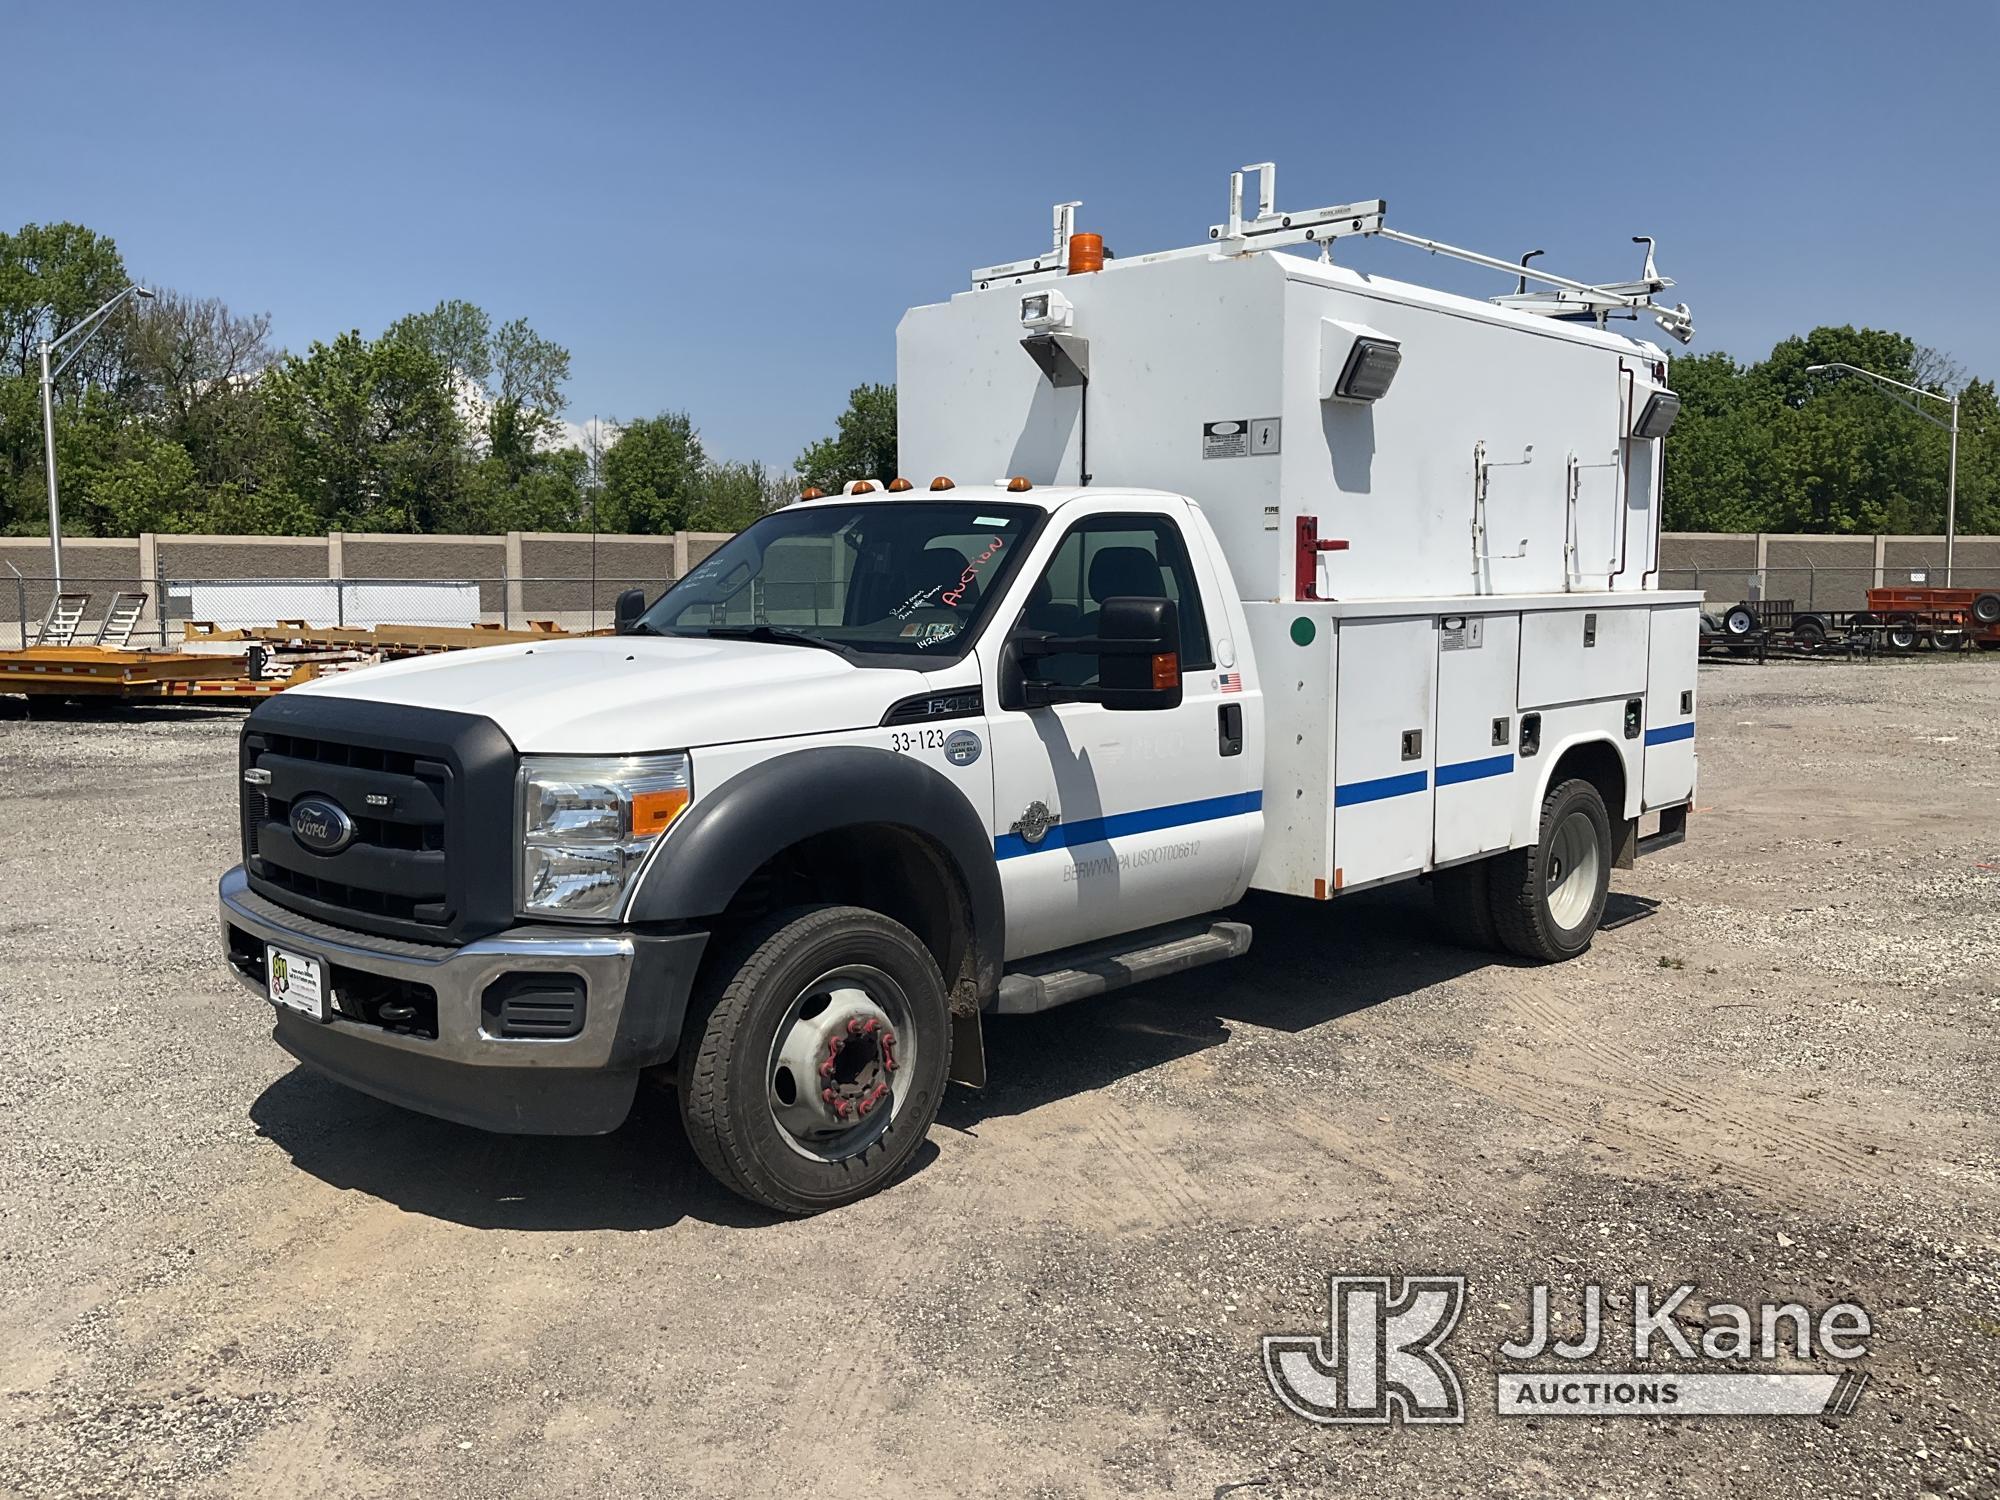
[1086,253]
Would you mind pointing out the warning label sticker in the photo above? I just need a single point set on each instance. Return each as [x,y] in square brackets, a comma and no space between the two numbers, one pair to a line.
[1460,634]
[1230,439]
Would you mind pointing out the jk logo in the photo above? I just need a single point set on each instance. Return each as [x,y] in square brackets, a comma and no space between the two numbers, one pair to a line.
[1379,1360]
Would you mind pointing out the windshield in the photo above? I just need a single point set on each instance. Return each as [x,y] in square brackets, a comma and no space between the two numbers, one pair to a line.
[911,577]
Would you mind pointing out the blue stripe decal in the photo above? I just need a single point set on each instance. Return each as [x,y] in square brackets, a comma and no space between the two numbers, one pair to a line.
[1474,770]
[1383,786]
[1666,734]
[1119,825]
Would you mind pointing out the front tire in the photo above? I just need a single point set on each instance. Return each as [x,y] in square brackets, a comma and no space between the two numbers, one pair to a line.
[1549,898]
[814,1058]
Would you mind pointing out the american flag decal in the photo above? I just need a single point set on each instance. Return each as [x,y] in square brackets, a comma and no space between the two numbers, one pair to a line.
[1229,682]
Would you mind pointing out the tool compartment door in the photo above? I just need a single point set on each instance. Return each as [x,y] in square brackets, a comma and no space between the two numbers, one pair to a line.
[1383,712]
[1478,661]
[1670,704]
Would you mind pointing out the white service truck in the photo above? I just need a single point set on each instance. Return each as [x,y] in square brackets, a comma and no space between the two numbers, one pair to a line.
[1276,576]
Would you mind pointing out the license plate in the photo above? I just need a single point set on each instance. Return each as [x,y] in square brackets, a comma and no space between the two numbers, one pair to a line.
[296,981]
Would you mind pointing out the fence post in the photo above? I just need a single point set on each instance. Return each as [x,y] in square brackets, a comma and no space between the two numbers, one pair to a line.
[20,603]
[506,596]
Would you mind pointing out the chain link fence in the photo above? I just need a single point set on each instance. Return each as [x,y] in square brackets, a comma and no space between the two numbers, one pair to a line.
[170,604]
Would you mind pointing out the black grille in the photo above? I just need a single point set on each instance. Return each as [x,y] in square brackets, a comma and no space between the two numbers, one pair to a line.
[430,797]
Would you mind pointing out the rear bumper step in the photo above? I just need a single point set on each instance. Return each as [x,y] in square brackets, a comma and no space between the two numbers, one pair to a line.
[1078,973]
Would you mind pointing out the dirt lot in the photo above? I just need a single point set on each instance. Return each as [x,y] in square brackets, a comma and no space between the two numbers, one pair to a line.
[1774,1077]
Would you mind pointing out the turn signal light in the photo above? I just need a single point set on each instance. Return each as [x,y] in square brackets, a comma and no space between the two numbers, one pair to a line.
[942,483]
[1086,253]
[1166,670]
[1019,485]
[898,485]
[654,812]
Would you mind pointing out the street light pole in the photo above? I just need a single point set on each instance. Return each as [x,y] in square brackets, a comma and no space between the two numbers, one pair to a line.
[81,332]
[1951,478]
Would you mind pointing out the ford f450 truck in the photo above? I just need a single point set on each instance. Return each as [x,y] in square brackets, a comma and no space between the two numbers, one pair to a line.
[1287,578]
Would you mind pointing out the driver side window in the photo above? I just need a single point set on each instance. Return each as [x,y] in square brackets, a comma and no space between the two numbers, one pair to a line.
[1110,557]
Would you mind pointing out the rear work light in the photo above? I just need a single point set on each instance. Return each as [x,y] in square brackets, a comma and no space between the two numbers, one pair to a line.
[1370,370]
[1657,420]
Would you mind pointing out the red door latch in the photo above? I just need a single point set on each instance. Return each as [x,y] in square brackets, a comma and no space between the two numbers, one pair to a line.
[1310,547]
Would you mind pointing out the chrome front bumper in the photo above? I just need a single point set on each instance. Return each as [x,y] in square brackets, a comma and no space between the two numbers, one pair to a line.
[635,995]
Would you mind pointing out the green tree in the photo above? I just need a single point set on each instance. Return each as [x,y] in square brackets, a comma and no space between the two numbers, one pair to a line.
[368,434]
[863,445]
[652,475]
[732,495]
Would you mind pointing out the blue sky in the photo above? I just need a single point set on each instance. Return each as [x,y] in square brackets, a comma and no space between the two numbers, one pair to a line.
[725,209]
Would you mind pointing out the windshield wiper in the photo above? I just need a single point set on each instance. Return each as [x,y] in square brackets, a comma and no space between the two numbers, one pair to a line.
[774,634]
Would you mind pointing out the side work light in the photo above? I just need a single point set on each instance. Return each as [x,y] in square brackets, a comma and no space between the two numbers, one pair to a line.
[1657,419]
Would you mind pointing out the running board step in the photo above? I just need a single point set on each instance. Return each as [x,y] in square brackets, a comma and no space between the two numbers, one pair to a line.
[1078,973]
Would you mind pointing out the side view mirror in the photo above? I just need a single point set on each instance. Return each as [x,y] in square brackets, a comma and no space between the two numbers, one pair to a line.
[631,604]
[1139,663]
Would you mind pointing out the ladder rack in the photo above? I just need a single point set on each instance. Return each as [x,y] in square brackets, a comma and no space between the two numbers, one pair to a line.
[1271,228]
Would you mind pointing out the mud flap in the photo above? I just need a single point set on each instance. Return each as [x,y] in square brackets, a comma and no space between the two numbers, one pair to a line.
[968,1050]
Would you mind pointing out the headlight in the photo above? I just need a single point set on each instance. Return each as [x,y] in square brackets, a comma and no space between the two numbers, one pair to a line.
[586,822]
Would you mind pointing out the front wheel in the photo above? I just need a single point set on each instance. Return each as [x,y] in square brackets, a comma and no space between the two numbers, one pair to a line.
[814,1058]
[1549,898]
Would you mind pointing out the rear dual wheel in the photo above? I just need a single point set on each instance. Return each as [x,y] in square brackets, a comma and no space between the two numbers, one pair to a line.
[1543,902]
[814,1058]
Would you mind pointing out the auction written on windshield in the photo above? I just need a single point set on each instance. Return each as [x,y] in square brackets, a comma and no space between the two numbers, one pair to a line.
[908,579]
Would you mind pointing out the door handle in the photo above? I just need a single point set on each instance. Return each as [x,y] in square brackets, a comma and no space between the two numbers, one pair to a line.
[1229,728]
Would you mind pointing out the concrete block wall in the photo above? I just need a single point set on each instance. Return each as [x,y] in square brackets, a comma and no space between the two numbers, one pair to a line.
[1820,572]
[521,575]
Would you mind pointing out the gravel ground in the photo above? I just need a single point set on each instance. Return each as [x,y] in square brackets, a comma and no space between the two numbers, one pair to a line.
[1773,1077]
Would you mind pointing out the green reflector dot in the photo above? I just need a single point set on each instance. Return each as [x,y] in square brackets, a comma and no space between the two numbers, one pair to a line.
[1303,631]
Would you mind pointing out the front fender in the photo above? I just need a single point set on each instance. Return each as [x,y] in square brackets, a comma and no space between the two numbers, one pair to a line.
[726,836]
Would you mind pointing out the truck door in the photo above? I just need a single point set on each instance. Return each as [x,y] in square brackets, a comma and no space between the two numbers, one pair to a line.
[1109,821]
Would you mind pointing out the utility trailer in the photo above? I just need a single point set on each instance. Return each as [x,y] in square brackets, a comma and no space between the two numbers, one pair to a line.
[1894,621]
[1221,569]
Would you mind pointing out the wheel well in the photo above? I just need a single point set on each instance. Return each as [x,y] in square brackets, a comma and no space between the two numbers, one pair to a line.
[1599,763]
[885,868]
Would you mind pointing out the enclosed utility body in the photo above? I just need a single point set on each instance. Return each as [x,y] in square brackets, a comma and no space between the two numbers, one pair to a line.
[1441,516]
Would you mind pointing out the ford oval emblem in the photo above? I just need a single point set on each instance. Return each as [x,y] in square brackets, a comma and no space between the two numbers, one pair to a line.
[321,825]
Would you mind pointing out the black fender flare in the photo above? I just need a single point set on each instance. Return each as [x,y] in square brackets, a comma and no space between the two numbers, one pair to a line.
[724,838]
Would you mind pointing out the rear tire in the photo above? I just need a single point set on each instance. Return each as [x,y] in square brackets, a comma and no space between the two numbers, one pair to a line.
[835,987]
[1548,899]
[1464,899]
[1986,609]
[1809,631]
[1902,632]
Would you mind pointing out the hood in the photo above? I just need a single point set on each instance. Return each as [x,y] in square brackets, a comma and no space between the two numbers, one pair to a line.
[628,694]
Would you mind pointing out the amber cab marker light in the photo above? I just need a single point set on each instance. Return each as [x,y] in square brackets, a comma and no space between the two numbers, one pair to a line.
[942,483]
[1086,253]
[861,487]
[810,492]
[898,485]
[1019,485]
[1166,670]
[654,812]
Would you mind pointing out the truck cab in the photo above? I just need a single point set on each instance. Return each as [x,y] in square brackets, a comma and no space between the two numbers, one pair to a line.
[902,758]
